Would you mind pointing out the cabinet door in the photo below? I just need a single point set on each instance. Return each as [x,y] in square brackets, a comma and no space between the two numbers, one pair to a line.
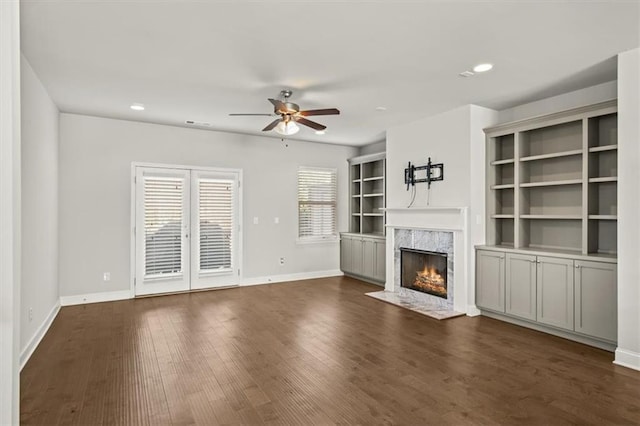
[555,292]
[356,256]
[596,312]
[345,254]
[521,286]
[381,261]
[490,280]
[368,258]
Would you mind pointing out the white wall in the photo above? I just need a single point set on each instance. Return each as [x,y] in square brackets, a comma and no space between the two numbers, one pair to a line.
[628,351]
[455,138]
[9,212]
[587,96]
[95,178]
[444,138]
[39,287]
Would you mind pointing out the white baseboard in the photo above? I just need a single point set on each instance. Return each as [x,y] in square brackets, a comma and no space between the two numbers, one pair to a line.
[290,277]
[627,359]
[39,334]
[107,296]
[473,311]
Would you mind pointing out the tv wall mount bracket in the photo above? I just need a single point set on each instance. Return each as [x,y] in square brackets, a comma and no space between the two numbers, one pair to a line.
[431,172]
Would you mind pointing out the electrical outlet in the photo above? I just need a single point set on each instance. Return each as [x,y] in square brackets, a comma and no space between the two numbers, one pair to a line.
[281,261]
[106,276]
[276,220]
[256,220]
[30,314]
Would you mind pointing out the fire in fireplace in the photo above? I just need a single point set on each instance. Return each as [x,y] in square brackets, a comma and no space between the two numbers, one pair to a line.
[424,271]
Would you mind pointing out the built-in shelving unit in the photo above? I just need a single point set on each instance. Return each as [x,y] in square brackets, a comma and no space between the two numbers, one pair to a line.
[552,182]
[362,249]
[367,175]
[551,253]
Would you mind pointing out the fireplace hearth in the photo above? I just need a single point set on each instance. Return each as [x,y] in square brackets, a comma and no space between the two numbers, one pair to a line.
[424,271]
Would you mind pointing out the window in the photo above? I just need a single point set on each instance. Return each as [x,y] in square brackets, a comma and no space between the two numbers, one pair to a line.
[317,194]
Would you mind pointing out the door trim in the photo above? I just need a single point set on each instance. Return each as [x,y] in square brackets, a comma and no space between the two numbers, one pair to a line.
[132,219]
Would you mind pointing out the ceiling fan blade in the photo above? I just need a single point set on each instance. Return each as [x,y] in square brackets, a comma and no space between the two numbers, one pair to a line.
[309,123]
[271,125]
[326,111]
[241,114]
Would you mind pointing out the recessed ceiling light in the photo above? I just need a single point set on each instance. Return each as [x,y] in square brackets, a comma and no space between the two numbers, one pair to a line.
[320,132]
[137,107]
[482,67]
[466,74]
[381,108]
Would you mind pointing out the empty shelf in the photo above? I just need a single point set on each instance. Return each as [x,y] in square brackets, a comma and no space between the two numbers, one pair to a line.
[551,216]
[603,148]
[552,155]
[551,183]
[373,195]
[373,178]
[603,179]
[499,162]
[502,216]
[505,186]
[603,216]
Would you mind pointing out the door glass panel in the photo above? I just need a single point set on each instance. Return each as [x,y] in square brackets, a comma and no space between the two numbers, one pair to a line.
[163,224]
[215,218]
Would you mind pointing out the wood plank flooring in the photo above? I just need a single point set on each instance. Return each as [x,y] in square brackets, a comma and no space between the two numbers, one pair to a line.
[311,352]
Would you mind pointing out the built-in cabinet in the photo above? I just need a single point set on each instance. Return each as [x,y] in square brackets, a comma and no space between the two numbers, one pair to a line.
[552,223]
[490,289]
[595,298]
[569,294]
[362,249]
[520,285]
[363,256]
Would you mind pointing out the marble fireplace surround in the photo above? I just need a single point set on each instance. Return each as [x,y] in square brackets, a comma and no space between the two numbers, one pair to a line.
[448,230]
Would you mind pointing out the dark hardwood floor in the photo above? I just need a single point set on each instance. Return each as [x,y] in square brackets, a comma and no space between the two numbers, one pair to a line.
[311,352]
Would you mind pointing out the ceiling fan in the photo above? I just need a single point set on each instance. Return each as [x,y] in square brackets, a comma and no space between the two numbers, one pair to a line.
[290,114]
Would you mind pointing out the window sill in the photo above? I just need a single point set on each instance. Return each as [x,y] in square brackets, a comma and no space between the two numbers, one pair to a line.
[304,241]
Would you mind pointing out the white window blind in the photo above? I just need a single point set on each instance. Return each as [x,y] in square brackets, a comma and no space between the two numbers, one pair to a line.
[163,225]
[215,218]
[317,195]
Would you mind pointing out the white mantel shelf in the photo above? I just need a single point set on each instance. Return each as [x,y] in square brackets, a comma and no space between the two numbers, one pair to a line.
[452,218]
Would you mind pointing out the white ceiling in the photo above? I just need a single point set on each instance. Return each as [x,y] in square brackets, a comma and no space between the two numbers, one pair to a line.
[202,60]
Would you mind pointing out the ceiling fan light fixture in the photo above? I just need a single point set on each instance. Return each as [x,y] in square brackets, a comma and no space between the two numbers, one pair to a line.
[287,128]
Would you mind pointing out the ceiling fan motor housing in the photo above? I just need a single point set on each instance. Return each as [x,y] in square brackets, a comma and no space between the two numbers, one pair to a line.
[286,108]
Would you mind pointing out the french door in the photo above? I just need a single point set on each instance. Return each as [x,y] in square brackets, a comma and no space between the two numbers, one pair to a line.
[187,225]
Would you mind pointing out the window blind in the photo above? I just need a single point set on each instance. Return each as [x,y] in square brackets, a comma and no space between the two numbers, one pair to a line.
[163,225]
[317,195]
[215,218]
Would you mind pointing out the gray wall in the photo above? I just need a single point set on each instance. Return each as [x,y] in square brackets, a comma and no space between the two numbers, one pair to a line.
[587,96]
[373,148]
[39,288]
[95,190]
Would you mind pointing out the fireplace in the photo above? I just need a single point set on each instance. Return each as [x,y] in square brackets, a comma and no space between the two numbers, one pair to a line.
[424,271]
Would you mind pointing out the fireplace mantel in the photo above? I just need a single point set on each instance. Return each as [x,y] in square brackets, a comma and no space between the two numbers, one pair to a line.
[436,218]
[446,218]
